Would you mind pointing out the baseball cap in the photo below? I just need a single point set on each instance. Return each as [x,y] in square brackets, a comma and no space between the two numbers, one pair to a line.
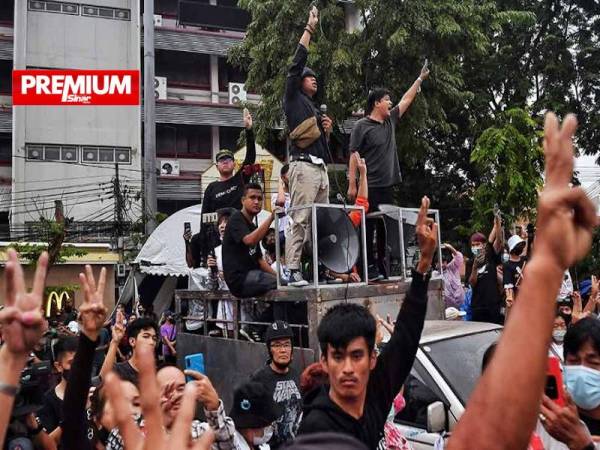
[224,153]
[452,313]
[514,241]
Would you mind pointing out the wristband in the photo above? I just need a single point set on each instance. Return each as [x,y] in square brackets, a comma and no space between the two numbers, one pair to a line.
[420,79]
[307,28]
[9,389]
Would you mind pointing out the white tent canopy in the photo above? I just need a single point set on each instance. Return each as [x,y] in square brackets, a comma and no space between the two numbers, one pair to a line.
[164,251]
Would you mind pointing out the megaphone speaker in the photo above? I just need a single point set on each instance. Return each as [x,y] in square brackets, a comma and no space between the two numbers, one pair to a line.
[339,244]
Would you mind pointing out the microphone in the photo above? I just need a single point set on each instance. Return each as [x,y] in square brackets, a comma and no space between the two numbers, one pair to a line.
[323,109]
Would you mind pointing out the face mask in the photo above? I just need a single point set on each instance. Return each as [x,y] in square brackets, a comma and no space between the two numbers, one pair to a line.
[583,384]
[505,257]
[475,250]
[266,437]
[65,374]
[559,335]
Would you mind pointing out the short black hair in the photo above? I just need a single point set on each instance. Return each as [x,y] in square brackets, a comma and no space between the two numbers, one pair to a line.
[63,345]
[488,355]
[343,323]
[284,169]
[518,248]
[138,325]
[254,186]
[375,95]
[580,333]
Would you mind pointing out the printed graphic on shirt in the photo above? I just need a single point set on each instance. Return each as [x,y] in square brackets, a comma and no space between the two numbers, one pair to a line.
[287,395]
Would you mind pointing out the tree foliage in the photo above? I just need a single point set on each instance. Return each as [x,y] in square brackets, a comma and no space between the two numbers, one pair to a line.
[493,63]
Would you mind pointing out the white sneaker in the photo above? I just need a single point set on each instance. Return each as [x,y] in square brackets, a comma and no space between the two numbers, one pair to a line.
[296,279]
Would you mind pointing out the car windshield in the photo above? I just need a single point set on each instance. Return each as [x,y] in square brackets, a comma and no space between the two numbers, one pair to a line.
[459,359]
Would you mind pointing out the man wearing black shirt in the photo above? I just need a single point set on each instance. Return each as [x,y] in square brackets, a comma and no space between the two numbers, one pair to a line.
[512,270]
[140,332]
[226,192]
[374,138]
[486,301]
[364,385]
[282,381]
[247,274]
[51,413]
[310,128]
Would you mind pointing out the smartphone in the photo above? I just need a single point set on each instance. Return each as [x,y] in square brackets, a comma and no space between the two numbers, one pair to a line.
[554,381]
[194,362]
[187,227]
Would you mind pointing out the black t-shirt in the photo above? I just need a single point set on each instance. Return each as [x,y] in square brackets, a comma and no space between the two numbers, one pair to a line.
[287,395]
[592,424]
[238,258]
[126,372]
[376,142]
[51,413]
[485,293]
[512,271]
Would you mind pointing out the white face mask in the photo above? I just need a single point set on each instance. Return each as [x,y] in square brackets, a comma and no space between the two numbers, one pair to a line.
[505,257]
[266,437]
[559,336]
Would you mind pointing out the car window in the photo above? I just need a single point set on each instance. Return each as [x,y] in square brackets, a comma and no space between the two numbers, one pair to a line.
[459,360]
[420,391]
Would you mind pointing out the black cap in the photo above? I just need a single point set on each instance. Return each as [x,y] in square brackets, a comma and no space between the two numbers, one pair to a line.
[278,330]
[308,72]
[253,406]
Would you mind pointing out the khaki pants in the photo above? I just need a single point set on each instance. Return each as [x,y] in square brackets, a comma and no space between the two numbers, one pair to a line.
[309,184]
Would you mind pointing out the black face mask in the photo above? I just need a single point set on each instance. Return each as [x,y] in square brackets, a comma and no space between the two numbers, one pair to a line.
[102,435]
[65,374]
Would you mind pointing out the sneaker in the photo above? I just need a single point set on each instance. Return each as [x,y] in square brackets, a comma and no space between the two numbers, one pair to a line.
[374,274]
[296,279]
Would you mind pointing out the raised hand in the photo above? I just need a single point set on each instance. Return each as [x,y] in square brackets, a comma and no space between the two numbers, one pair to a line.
[424,72]
[205,391]
[360,164]
[563,424]
[566,217]
[427,236]
[313,17]
[92,314]
[155,437]
[21,318]
[247,119]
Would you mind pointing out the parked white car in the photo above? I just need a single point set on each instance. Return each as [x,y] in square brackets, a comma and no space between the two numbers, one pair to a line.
[446,369]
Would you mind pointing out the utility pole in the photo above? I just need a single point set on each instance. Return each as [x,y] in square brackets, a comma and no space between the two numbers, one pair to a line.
[119,221]
[149,204]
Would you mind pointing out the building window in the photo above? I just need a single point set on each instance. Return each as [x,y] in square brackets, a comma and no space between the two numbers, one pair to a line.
[121,155]
[70,153]
[105,12]
[228,138]
[183,141]
[5,148]
[7,11]
[6,77]
[229,74]
[53,7]
[183,68]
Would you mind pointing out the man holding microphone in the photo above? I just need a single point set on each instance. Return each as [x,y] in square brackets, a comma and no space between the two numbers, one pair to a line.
[310,130]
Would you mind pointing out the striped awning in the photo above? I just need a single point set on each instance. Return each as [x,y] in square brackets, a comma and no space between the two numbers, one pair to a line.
[6,49]
[177,189]
[184,41]
[5,120]
[196,114]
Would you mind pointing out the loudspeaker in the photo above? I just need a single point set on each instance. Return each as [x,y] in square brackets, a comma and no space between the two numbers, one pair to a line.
[338,240]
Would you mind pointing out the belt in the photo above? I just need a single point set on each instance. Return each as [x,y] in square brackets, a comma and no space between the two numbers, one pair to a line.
[301,157]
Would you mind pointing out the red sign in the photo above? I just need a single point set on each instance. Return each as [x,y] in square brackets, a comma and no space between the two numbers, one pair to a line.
[76,87]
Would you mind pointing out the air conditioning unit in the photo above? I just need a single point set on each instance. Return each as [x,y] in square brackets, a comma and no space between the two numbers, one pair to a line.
[157,20]
[121,270]
[237,93]
[169,167]
[160,88]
